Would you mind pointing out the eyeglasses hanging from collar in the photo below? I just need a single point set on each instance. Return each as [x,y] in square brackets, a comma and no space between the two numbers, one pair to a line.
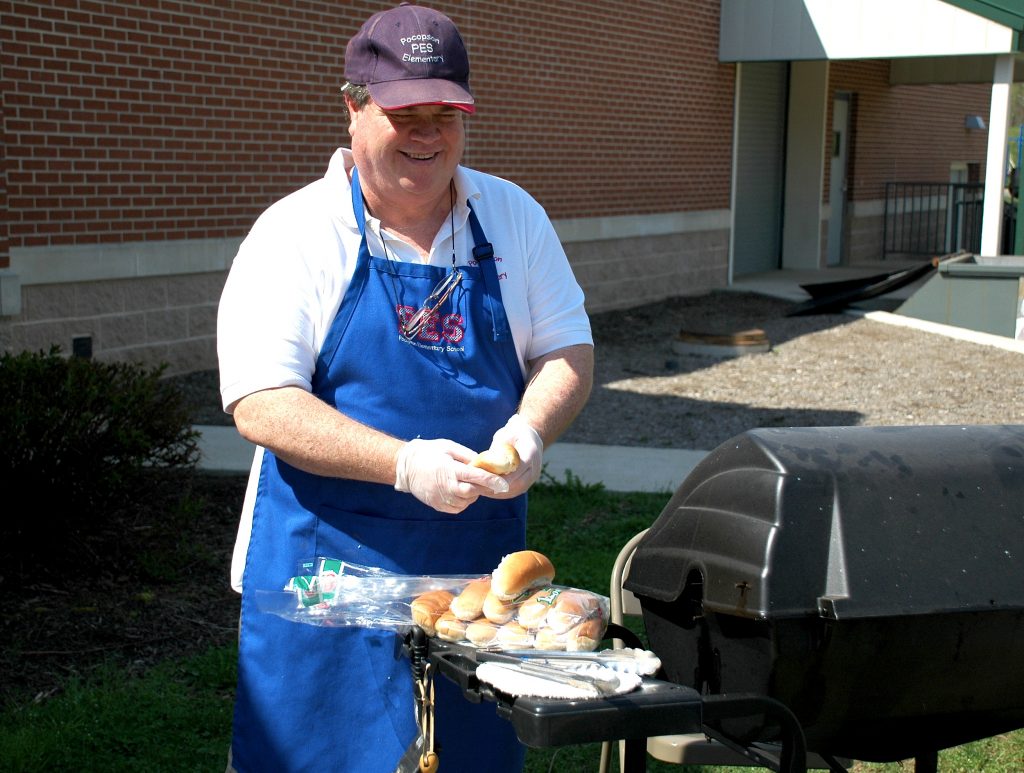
[411,326]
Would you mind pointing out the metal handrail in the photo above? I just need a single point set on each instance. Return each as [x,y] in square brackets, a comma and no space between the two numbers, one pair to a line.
[930,218]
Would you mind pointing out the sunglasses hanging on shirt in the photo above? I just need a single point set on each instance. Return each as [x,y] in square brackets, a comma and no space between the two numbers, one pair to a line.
[410,327]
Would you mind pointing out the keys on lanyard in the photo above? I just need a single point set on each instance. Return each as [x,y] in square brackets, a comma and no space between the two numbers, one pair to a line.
[425,719]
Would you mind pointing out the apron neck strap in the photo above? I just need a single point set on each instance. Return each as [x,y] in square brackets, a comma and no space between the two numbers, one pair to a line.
[482,249]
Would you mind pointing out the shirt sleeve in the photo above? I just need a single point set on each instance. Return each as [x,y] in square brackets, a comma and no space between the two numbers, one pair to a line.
[282,291]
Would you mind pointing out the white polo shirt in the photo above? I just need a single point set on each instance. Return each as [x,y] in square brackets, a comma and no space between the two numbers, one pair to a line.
[291,272]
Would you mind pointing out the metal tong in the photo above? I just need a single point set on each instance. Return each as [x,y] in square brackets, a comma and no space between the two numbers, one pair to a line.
[553,673]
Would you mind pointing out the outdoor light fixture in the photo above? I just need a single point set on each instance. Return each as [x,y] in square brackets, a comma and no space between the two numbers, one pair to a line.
[974,122]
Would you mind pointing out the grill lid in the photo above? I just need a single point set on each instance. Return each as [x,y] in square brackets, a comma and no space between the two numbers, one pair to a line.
[846,522]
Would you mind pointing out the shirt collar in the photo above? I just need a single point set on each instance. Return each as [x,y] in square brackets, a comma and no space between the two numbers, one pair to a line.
[337,175]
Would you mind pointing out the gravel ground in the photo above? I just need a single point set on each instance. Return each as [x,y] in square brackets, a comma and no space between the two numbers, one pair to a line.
[821,370]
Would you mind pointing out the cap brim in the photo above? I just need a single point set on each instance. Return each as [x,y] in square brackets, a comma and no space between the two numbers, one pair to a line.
[393,95]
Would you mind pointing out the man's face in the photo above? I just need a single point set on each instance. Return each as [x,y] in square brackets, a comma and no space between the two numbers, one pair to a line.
[406,157]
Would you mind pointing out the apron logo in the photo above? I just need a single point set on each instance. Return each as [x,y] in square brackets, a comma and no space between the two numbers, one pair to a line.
[447,328]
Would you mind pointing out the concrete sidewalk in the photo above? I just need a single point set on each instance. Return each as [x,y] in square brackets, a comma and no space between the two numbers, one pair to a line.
[619,468]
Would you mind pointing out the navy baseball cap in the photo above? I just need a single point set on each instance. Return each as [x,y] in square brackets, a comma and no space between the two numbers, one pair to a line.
[410,55]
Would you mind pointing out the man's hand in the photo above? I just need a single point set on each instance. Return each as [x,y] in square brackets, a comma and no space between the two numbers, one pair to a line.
[436,473]
[518,433]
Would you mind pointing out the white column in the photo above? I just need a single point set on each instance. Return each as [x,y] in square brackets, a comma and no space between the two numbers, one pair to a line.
[805,165]
[995,164]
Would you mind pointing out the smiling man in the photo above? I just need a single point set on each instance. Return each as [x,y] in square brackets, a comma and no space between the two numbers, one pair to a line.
[378,328]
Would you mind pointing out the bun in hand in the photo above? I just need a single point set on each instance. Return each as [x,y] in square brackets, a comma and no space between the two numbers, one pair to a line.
[500,460]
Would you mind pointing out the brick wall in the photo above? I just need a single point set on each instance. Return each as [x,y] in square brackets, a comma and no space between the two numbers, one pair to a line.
[180,120]
[602,108]
[901,133]
[140,141]
[162,120]
[907,133]
[134,126]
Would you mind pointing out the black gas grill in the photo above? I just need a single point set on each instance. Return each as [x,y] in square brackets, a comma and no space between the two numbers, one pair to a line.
[869,579]
[855,592]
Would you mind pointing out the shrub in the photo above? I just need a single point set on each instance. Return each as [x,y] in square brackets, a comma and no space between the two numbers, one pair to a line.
[76,439]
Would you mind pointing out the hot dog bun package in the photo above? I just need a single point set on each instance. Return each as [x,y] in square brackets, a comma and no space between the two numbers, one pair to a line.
[515,607]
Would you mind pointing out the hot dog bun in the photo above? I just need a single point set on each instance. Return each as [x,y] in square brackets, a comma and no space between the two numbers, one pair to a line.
[586,636]
[533,611]
[469,604]
[450,628]
[513,636]
[428,607]
[497,610]
[521,571]
[500,460]
[482,633]
[546,639]
[571,608]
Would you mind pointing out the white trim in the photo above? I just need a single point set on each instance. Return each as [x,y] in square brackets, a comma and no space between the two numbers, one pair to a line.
[589,229]
[10,294]
[91,262]
[756,30]
[995,160]
[805,165]
[85,263]
[734,178]
[950,331]
[867,208]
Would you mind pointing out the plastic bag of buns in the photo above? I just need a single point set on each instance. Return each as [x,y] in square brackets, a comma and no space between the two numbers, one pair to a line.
[549,617]
[516,606]
[335,593]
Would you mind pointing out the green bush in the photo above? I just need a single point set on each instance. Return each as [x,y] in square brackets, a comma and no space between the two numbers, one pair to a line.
[77,440]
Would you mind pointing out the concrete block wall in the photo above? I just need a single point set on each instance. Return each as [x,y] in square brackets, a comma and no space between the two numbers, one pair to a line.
[622,273]
[167,320]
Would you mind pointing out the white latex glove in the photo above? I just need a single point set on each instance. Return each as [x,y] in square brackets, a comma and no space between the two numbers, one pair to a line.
[518,433]
[436,473]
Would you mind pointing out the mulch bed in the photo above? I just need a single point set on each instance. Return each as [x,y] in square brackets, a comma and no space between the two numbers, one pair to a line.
[153,586]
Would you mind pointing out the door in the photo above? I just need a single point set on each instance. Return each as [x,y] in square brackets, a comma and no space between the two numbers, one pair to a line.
[837,177]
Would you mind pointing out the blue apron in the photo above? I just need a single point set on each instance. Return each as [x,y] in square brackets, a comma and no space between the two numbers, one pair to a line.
[341,699]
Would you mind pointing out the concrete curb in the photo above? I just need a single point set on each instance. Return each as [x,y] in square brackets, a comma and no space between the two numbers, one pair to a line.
[950,331]
[619,468]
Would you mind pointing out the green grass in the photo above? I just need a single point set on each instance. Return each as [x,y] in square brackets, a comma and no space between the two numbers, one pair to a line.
[177,717]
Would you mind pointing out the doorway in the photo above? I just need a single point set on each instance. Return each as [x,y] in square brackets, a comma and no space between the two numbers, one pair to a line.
[837,177]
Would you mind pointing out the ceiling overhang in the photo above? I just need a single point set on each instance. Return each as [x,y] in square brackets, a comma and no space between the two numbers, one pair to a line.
[794,30]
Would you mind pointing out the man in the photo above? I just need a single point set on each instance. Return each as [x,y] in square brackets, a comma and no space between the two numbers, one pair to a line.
[378,327]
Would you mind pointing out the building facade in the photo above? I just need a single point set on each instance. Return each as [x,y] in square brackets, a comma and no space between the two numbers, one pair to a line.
[141,140]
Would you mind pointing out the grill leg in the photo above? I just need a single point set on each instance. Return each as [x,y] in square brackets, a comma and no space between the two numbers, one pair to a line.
[927,762]
[793,756]
[635,756]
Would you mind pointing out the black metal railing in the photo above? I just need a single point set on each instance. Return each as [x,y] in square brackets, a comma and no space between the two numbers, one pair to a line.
[932,218]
